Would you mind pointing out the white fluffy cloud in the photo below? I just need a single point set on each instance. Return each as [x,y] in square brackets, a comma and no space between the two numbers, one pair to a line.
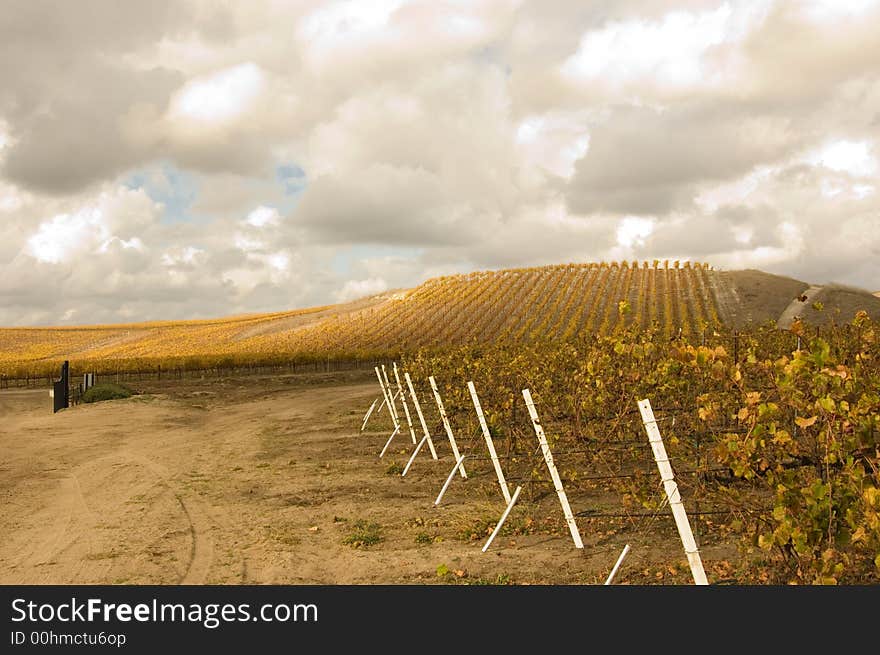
[193,159]
[116,216]
[354,289]
[218,98]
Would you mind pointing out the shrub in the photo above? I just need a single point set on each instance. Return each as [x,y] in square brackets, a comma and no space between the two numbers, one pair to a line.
[106,391]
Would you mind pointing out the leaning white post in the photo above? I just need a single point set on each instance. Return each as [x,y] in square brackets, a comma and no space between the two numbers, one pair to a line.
[413,456]
[502,519]
[367,417]
[557,482]
[385,392]
[449,479]
[617,565]
[388,443]
[489,443]
[415,399]
[409,424]
[672,493]
[446,424]
[391,406]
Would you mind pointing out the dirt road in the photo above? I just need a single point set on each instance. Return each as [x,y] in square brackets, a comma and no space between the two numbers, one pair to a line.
[796,307]
[260,481]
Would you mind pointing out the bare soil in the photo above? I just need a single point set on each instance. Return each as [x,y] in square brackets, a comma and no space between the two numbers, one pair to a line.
[760,296]
[269,480]
[840,304]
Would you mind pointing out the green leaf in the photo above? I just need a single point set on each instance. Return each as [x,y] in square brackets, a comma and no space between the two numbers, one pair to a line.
[820,351]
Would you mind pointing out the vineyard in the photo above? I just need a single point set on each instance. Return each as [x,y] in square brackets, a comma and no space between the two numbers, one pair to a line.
[774,436]
[773,431]
[513,306]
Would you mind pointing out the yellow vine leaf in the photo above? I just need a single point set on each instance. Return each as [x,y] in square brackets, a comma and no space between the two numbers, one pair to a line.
[805,422]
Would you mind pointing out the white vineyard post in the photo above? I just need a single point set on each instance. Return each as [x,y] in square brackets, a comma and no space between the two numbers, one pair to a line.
[449,479]
[413,456]
[446,425]
[489,443]
[415,399]
[617,565]
[388,443]
[551,466]
[412,433]
[387,394]
[384,392]
[502,519]
[391,405]
[394,397]
[367,417]
[672,493]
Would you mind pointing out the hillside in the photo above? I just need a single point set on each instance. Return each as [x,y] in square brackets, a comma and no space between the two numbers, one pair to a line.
[513,305]
[839,303]
[759,297]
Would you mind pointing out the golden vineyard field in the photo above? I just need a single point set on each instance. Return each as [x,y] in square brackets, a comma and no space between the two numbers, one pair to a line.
[514,305]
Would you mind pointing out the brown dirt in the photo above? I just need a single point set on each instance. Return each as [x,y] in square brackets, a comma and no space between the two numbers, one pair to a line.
[760,296]
[262,480]
[840,304]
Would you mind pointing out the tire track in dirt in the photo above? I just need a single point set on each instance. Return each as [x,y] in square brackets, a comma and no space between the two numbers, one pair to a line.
[77,534]
[201,556]
[51,543]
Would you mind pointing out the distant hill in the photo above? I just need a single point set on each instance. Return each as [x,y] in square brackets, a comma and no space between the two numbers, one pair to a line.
[758,297]
[512,305]
[840,303]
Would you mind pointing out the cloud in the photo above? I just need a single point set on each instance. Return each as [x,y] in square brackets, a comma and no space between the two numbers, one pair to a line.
[184,159]
[676,51]
[66,88]
[385,204]
[219,97]
[853,157]
[354,289]
[263,216]
[116,217]
[647,160]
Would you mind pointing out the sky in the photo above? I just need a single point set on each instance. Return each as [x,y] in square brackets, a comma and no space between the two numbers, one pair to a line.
[189,159]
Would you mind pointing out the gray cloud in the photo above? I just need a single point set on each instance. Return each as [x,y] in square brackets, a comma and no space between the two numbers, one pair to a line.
[647,161]
[66,88]
[51,156]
